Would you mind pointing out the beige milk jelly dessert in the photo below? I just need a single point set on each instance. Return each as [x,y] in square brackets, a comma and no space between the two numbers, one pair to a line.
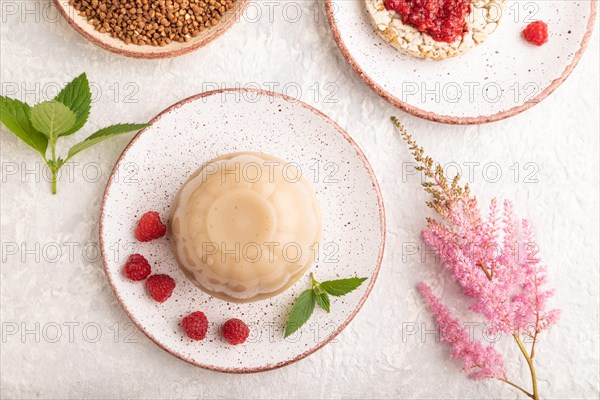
[245,226]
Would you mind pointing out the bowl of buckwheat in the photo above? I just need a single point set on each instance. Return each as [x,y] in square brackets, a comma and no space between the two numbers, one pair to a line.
[151,28]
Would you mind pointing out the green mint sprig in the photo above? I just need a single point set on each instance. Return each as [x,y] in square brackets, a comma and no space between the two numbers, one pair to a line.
[45,122]
[318,294]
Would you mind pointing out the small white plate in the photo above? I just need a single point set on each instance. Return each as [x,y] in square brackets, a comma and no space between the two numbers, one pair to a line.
[173,49]
[502,77]
[159,160]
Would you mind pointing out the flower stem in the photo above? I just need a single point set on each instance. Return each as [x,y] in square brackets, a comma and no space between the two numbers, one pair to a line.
[490,275]
[516,387]
[532,352]
[535,394]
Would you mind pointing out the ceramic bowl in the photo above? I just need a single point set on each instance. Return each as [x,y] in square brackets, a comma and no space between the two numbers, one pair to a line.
[502,77]
[158,161]
[173,49]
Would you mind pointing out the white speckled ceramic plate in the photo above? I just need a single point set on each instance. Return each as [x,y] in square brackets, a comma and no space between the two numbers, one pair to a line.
[158,161]
[106,41]
[502,77]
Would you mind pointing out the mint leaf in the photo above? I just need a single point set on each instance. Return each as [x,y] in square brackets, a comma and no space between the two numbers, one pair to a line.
[78,97]
[14,115]
[301,311]
[52,119]
[103,134]
[341,287]
[41,126]
[323,301]
[319,294]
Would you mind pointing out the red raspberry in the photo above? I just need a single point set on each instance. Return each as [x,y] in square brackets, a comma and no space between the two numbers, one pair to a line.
[235,331]
[137,268]
[536,33]
[195,325]
[149,227]
[160,287]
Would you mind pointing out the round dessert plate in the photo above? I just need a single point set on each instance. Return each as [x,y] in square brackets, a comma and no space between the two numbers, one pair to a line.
[502,77]
[173,49]
[182,138]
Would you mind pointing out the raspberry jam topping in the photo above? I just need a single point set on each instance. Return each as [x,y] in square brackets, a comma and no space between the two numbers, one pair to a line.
[536,33]
[443,20]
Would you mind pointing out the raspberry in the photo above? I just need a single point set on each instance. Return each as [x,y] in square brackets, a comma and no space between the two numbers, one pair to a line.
[195,325]
[137,268]
[235,331]
[149,227]
[160,287]
[536,33]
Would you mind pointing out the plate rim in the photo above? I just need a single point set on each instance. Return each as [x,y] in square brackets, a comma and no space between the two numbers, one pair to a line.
[448,119]
[341,327]
[220,30]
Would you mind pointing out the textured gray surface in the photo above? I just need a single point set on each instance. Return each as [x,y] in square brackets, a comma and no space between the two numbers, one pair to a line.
[44,292]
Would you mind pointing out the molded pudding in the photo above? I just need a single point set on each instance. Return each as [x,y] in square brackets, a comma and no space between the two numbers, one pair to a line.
[245,226]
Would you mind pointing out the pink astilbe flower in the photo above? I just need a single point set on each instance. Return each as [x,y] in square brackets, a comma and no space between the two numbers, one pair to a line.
[481,361]
[507,286]
[530,303]
[495,262]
